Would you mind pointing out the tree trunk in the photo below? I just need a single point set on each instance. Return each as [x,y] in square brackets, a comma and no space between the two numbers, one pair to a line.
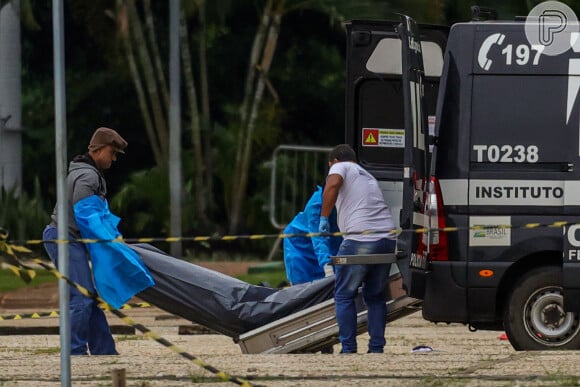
[137,82]
[265,64]
[153,92]
[257,48]
[198,167]
[206,114]
[160,74]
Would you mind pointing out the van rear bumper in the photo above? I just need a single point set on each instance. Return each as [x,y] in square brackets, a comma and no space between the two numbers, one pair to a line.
[443,299]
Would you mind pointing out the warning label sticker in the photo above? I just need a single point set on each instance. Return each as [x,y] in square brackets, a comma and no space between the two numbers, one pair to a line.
[388,138]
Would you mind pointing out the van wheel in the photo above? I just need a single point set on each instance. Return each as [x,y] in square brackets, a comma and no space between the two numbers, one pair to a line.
[534,317]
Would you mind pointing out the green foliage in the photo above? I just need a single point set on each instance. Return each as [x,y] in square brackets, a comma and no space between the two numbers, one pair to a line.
[143,204]
[267,138]
[341,10]
[26,15]
[223,156]
[24,216]
[312,102]
[306,107]
[274,279]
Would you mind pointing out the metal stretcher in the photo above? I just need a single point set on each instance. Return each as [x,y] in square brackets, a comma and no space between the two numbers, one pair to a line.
[314,328]
[296,319]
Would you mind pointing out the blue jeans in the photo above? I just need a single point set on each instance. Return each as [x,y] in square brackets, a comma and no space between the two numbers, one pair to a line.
[89,326]
[374,280]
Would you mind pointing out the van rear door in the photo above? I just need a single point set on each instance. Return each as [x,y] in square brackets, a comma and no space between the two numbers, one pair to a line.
[386,121]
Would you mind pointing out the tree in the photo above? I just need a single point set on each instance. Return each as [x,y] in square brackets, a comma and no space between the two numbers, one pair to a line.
[236,106]
[257,81]
[261,57]
[144,62]
[202,180]
[137,31]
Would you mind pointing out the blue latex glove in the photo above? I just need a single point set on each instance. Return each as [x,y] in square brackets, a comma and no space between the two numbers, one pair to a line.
[323,226]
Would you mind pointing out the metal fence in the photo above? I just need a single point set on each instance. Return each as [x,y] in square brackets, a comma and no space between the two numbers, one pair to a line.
[296,171]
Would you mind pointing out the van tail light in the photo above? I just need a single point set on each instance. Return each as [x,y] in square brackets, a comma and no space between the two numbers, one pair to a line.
[417,183]
[433,243]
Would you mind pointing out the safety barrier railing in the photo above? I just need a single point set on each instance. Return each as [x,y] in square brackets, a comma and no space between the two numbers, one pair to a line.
[295,172]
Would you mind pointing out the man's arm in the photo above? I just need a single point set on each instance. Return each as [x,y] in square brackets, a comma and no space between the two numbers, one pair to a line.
[330,194]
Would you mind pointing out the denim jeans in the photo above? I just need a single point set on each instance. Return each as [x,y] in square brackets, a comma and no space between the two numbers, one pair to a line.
[89,326]
[374,280]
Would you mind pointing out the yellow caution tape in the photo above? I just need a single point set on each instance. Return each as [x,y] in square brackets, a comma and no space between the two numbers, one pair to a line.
[230,238]
[8,255]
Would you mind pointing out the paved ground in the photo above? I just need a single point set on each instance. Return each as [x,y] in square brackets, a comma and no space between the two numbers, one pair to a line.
[459,358]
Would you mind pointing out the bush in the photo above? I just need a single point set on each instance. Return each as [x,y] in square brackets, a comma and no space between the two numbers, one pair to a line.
[22,215]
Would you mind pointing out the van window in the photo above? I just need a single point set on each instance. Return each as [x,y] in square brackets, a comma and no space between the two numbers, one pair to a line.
[520,120]
[381,116]
[432,59]
[386,58]
[380,120]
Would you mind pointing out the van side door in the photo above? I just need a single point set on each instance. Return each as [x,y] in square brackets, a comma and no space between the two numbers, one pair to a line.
[416,149]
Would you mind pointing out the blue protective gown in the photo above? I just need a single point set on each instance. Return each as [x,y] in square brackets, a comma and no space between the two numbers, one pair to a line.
[118,271]
[304,258]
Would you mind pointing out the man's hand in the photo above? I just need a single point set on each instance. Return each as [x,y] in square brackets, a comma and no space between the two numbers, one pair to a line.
[328,270]
[323,226]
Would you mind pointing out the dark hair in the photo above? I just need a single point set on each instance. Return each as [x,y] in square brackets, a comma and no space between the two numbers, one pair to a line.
[342,152]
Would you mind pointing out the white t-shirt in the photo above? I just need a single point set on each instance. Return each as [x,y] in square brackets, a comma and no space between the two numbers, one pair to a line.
[360,204]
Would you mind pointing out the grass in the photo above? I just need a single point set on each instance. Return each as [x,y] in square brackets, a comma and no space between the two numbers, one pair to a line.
[131,338]
[46,351]
[9,281]
[271,278]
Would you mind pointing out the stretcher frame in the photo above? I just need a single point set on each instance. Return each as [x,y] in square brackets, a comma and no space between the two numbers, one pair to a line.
[315,328]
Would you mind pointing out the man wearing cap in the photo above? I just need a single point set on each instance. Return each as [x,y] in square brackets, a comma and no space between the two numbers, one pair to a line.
[89,328]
